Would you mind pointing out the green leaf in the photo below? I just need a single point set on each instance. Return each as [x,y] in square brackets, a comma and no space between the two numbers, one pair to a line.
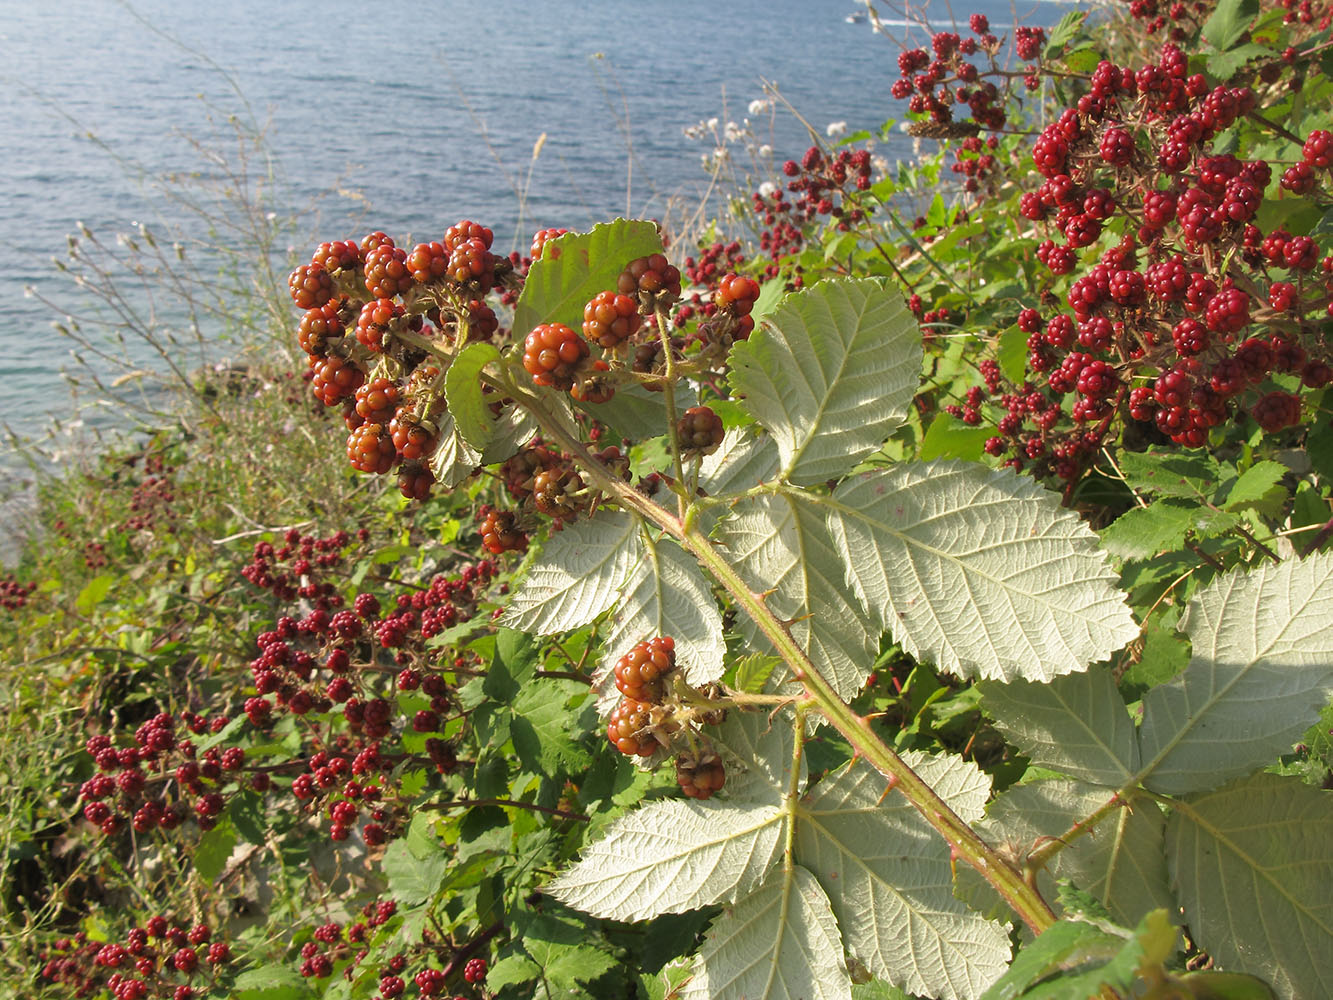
[1076,725]
[1073,960]
[889,878]
[511,431]
[575,267]
[413,880]
[213,850]
[781,942]
[744,459]
[270,982]
[780,544]
[638,413]
[1143,532]
[516,658]
[1065,31]
[673,856]
[1224,65]
[462,391]
[830,375]
[93,592]
[1261,671]
[949,437]
[1258,486]
[1171,474]
[567,968]
[1012,354]
[544,728]
[1229,21]
[980,570]
[666,594]
[753,671]
[1251,866]
[1212,985]
[578,575]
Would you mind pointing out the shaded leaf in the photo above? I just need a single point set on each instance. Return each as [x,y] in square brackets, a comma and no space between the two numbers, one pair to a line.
[1251,866]
[462,390]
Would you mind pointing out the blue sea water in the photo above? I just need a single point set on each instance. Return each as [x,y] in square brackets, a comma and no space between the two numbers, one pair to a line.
[397,116]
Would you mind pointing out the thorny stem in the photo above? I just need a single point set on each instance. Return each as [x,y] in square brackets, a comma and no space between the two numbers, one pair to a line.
[669,391]
[1006,879]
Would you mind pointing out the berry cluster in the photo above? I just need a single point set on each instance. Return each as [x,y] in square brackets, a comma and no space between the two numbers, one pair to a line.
[372,311]
[651,717]
[14,593]
[1190,313]
[158,960]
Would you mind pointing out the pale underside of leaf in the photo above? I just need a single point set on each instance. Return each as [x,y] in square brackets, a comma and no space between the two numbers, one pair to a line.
[1252,869]
[673,856]
[830,374]
[890,880]
[979,570]
[1260,673]
[779,544]
[762,747]
[781,943]
[514,428]
[1077,725]
[637,413]
[745,458]
[577,576]
[453,459]
[667,595]
[1121,862]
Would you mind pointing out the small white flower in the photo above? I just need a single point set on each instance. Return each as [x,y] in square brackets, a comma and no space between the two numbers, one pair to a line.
[712,124]
[733,132]
[759,106]
[767,189]
[765,150]
[721,153]
[835,129]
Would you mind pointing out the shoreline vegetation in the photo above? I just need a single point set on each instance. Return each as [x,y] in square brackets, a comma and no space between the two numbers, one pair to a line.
[266,739]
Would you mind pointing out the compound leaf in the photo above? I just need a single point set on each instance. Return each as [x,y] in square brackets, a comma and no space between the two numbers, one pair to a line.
[673,856]
[1261,671]
[764,748]
[1251,867]
[830,374]
[745,458]
[578,575]
[1076,725]
[980,570]
[575,267]
[890,880]
[780,544]
[781,943]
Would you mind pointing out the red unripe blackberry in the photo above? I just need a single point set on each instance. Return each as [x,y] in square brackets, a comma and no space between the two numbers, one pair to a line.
[337,255]
[591,385]
[318,327]
[539,241]
[737,293]
[551,354]
[376,319]
[700,775]
[1276,411]
[373,241]
[471,263]
[1190,337]
[412,439]
[370,449]
[699,431]
[652,280]
[335,379]
[428,262]
[611,319]
[628,729]
[641,671]
[1116,147]
[1318,149]
[461,232]
[475,970]
[185,960]
[311,286]
[1299,178]
[551,491]
[500,533]
[1228,311]
[387,274]
[415,481]
[377,400]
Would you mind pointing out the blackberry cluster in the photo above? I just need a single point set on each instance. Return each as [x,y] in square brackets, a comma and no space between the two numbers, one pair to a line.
[157,960]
